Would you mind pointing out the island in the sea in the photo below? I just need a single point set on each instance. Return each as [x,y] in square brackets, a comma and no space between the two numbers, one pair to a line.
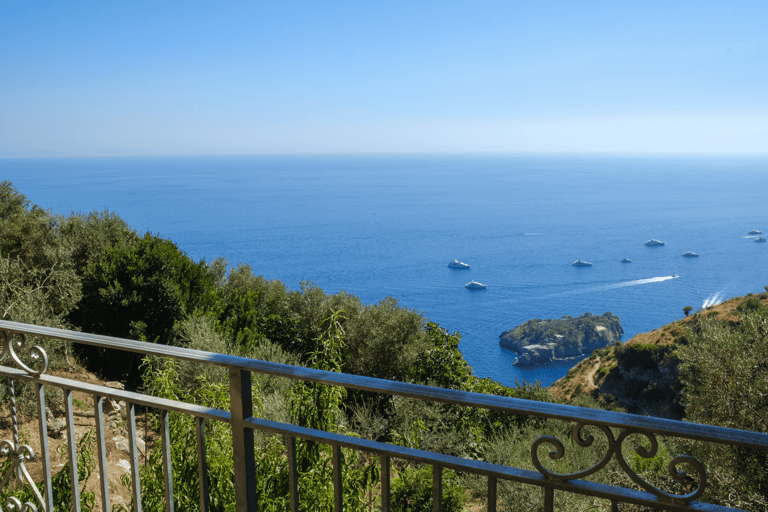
[543,341]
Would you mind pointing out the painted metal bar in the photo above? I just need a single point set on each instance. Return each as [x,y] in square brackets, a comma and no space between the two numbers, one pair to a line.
[165,437]
[202,466]
[72,450]
[549,499]
[101,452]
[134,456]
[459,464]
[492,488]
[658,426]
[42,423]
[338,488]
[241,406]
[385,480]
[119,395]
[19,473]
[437,488]
[293,473]
[243,423]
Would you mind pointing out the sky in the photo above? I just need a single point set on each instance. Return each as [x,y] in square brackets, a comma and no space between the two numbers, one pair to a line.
[167,77]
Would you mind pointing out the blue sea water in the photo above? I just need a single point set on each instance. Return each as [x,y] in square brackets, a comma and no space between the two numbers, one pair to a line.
[386,225]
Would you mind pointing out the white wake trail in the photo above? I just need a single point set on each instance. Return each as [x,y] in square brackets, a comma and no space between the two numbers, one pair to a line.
[617,285]
[713,300]
[641,281]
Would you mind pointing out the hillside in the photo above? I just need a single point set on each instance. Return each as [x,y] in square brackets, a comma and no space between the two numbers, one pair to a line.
[641,374]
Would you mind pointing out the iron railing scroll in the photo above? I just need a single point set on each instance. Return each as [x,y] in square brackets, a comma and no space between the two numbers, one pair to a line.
[615,427]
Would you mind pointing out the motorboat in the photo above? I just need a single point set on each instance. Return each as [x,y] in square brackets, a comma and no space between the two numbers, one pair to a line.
[654,243]
[755,232]
[579,263]
[759,239]
[689,254]
[458,264]
[626,260]
[474,285]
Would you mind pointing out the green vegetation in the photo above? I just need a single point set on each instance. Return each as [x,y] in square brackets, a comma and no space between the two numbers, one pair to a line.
[725,377]
[687,310]
[540,341]
[91,272]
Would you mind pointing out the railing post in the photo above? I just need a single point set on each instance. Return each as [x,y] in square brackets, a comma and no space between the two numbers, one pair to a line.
[338,491]
[241,407]
[46,461]
[202,466]
[549,499]
[98,407]
[293,474]
[437,488]
[492,482]
[134,456]
[385,492]
[72,448]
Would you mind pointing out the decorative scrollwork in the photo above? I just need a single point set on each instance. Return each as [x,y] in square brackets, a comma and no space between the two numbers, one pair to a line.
[19,453]
[560,451]
[672,469]
[15,342]
[614,449]
[14,504]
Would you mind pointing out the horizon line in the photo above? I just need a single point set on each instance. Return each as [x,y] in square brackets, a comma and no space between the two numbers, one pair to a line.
[648,154]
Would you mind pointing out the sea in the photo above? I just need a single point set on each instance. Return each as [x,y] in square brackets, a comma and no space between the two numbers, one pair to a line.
[382,226]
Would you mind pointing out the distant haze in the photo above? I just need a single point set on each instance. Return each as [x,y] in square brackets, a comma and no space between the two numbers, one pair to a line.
[149,78]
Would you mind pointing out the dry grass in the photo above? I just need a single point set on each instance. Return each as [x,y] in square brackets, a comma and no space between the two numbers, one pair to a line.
[585,375]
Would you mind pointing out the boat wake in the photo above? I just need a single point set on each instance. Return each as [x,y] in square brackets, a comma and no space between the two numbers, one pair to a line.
[713,300]
[640,281]
[620,285]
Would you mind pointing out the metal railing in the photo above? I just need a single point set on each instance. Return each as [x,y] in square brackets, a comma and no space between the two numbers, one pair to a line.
[243,423]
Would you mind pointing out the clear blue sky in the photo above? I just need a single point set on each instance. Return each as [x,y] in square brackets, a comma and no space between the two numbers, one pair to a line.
[117,78]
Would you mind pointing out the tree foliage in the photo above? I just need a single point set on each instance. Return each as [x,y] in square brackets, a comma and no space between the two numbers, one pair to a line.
[38,282]
[138,291]
[724,370]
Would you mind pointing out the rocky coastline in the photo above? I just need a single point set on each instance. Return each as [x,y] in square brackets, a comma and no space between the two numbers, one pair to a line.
[542,341]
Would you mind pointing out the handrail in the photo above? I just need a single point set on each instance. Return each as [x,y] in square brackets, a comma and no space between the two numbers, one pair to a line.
[243,423]
[660,426]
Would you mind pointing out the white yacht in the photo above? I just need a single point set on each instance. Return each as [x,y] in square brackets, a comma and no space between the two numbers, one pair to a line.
[626,260]
[474,285]
[755,232]
[654,243]
[759,239]
[458,264]
[579,263]
[689,254]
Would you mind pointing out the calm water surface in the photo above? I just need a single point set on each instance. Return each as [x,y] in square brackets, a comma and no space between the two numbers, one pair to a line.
[379,226]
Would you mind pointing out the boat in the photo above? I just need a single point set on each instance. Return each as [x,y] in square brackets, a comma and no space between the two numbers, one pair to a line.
[689,254]
[654,243]
[675,276]
[458,264]
[755,232]
[474,285]
[579,263]
[626,260]
[759,239]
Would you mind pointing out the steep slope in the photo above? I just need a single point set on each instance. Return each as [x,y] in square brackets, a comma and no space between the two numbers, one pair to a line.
[641,375]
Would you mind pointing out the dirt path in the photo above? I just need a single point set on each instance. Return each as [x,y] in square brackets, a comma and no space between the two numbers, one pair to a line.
[116,441]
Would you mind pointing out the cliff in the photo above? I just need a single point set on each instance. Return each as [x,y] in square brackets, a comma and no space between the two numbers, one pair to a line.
[641,376]
[542,341]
